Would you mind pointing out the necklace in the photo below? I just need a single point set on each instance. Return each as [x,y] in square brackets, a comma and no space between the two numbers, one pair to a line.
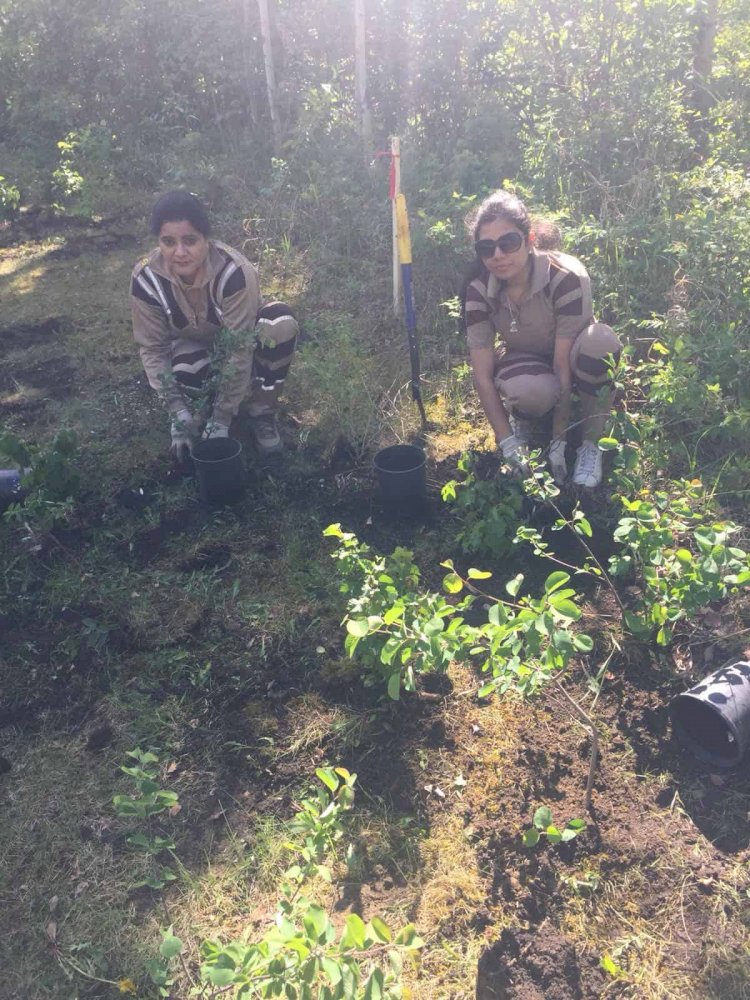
[514,316]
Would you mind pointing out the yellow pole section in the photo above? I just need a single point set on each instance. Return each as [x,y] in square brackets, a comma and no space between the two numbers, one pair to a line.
[404,237]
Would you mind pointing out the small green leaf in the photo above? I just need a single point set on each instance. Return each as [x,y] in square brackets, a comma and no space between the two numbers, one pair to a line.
[478,574]
[514,585]
[394,686]
[354,934]
[358,627]
[380,929]
[542,817]
[566,608]
[327,776]
[530,837]
[375,985]
[608,443]
[453,584]
[218,976]
[170,945]
[555,580]
[583,643]
[608,964]
[577,824]
[583,526]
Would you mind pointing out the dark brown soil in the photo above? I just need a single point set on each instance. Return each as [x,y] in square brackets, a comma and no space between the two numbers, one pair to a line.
[538,965]
[25,389]
[25,335]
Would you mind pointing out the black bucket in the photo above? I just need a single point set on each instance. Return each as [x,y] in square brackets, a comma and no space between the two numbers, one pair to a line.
[401,477]
[219,470]
[713,718]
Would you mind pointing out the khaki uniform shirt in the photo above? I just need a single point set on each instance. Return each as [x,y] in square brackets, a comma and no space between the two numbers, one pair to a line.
[170,317]
[557,304]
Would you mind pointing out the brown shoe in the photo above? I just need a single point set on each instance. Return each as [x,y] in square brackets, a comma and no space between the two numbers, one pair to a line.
[265,430]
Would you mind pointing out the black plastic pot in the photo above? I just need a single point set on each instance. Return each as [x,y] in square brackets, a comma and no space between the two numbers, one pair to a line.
[713,718]
[219,470]
[400,470]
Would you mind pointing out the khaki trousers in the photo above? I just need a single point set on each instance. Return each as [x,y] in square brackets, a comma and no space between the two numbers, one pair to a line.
[529,387]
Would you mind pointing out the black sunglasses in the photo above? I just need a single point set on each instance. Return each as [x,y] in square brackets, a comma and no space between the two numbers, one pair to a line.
[508,243]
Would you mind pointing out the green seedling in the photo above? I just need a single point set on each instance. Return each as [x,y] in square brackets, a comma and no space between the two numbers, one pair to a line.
[544,827]
[397,631]
[149,799]
[160,969]
[320,823]
[302,956]
[488,511]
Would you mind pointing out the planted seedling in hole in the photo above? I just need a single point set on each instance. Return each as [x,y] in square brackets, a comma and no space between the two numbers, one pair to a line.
[544,827]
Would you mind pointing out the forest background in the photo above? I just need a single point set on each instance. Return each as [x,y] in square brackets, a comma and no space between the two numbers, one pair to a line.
[199,654]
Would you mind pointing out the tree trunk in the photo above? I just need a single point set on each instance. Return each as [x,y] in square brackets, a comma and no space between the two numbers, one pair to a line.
[703,54]
[265,30]
[360,74]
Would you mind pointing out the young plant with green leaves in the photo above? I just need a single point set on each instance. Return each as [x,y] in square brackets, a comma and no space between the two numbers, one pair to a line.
[398,632]
[50,482]
[543,826]
[302,956]
[319,822]
[526,641]
[149,801]
[488,510]
[683,557]
[161,970]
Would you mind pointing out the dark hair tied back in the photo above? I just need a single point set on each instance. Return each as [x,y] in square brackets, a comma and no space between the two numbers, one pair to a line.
[499,205]
[509,207]
[180,206]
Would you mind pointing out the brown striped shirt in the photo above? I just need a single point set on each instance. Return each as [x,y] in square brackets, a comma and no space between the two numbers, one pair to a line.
[557,304]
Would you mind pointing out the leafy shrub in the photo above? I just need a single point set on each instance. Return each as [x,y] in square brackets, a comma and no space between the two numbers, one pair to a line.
[488,511]
[10,199]
[398,632]
[48,470]
[683,557]
[302,955]
[340,374]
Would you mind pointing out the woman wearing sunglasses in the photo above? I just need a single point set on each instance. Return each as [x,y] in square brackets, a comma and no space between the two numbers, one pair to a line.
[538,303]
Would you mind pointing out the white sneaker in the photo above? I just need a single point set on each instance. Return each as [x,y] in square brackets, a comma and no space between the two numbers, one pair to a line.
[588,468]
[521,427]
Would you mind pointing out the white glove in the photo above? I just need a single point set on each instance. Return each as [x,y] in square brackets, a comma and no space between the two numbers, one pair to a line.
[215,430]
[183,434]
[557,463]
[515,454]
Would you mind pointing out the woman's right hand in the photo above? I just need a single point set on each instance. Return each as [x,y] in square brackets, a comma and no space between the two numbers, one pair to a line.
[515,454]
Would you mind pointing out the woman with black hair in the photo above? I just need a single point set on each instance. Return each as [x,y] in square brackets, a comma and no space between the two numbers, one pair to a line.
[196,307]
[538,303]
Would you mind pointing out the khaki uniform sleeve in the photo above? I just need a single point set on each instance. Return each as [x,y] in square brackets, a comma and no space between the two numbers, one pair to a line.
[151,334]
[480,330]
[240,311]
